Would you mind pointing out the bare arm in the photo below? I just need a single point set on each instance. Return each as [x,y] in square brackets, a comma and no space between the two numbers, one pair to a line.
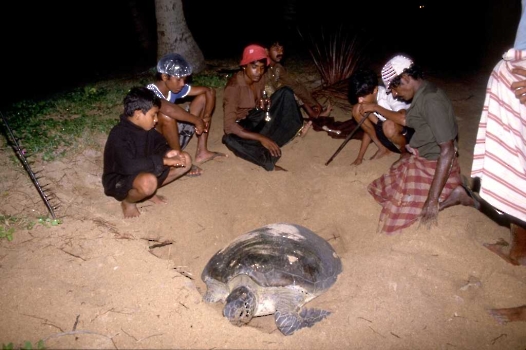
[519,87]
[395,116]
[429,213]
[210,97]
[174,111]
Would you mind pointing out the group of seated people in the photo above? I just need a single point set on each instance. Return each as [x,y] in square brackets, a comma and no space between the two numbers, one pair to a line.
[263,111]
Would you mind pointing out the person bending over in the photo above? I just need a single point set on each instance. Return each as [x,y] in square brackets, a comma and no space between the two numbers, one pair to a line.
[382,125]
[426,180]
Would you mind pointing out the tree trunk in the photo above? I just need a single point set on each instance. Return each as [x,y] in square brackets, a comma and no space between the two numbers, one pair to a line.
[173,34]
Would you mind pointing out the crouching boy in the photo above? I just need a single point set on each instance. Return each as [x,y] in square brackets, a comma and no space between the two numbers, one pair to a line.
[137,158]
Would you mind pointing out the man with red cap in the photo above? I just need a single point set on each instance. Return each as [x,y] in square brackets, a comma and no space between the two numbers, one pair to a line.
[427,179]
[256,126]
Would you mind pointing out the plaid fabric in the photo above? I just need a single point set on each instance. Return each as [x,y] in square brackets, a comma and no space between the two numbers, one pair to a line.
[403,191]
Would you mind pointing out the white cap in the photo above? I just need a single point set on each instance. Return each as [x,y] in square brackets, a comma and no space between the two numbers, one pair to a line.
[393,68]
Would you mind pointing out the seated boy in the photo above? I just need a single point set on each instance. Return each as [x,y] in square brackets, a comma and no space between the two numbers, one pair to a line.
[137,159]
[365,95]
[179,127]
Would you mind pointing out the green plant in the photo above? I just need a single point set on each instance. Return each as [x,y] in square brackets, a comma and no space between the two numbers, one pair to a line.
[48,221]
[26,346]
[336,52]
[9,224]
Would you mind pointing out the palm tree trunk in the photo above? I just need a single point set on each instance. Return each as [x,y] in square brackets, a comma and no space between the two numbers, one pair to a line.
[173,34]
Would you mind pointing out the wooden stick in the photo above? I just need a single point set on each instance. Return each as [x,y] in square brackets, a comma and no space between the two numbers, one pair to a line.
[348,138]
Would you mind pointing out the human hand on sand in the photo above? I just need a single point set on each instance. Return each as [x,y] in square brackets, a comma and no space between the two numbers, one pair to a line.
[429,214]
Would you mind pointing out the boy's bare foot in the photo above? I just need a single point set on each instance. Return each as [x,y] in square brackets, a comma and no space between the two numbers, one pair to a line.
[194,171]
[509,314]
[129,210]
[380,153]
[207,156]
[158,199]
[516,253]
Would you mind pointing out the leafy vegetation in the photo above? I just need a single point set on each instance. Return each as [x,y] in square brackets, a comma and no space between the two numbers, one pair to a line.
[336,52]
[9,224]
[67,121]
[26,346]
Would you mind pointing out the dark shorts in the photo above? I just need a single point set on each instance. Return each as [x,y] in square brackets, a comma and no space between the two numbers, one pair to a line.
[406,131]
[119,187]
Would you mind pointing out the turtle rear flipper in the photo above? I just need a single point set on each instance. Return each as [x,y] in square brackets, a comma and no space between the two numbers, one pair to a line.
[289,321]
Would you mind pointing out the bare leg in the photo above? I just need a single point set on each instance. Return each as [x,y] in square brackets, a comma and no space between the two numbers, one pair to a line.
[509,314]
[129,209]
[368,128]
[168,127]
[202,154]
[144,186]
[517,250]
[393,132]
[459,196]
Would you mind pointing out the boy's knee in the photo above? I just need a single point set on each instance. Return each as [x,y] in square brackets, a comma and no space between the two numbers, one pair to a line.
[164,120]
[389,128]
[146,184]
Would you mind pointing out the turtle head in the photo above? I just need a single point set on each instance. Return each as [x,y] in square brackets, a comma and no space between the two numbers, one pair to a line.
[240,306]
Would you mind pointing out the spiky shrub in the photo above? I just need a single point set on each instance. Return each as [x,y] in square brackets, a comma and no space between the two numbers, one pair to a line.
[336,51]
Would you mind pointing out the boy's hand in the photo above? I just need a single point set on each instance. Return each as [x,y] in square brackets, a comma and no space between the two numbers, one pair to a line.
[367,107]
[172,153]
[200,126]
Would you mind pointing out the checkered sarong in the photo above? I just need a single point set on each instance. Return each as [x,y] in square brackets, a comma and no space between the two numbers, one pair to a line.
[403,191]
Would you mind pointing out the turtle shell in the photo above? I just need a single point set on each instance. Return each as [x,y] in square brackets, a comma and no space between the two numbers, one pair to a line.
[278,255]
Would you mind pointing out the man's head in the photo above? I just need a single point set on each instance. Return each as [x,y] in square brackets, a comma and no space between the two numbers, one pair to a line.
[141,105]
[254,61]
[275,52]
[398,74]
[363,86]
[173,70]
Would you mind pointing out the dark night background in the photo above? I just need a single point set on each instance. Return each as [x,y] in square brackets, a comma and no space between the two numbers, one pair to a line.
[49,47]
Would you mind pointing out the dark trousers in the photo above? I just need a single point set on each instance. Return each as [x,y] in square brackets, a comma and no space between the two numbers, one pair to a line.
[286,121]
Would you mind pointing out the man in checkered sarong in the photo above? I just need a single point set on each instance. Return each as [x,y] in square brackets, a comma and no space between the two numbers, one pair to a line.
[427,179]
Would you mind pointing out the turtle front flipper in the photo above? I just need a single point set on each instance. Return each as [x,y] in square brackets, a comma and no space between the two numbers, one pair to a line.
[290,321]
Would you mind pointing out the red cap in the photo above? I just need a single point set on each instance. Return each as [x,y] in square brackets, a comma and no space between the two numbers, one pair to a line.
[253,53]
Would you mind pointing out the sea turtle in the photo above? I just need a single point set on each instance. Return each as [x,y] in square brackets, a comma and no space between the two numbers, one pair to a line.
[274,269]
